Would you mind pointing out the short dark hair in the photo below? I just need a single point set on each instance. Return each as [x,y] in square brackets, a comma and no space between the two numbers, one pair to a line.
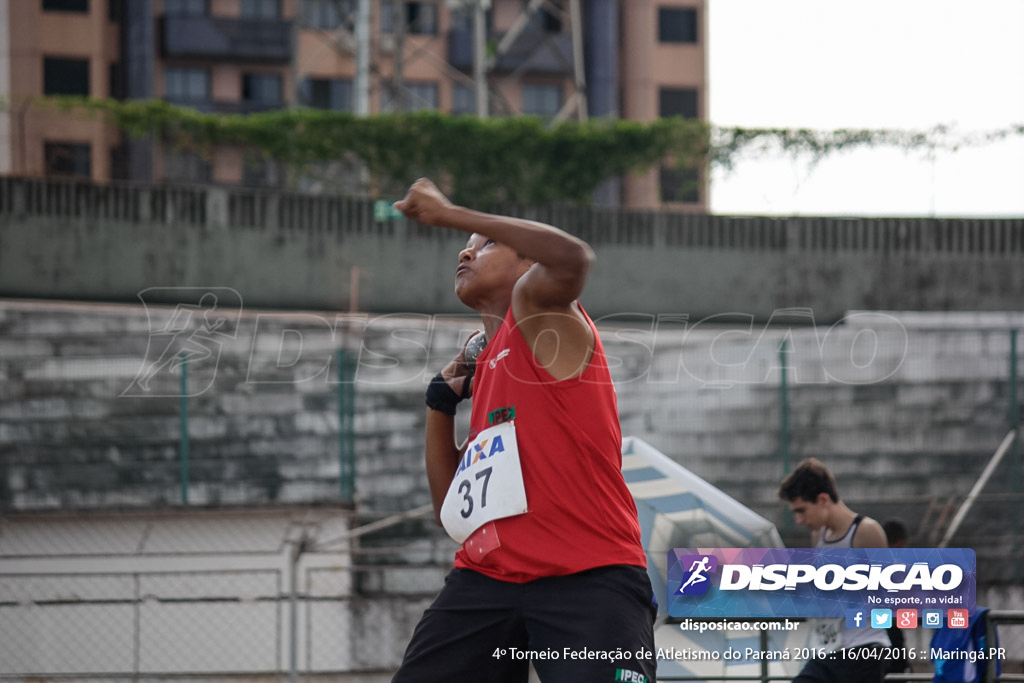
[895,531]
[809,480]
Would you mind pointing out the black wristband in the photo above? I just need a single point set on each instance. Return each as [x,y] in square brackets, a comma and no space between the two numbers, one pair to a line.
[441,397]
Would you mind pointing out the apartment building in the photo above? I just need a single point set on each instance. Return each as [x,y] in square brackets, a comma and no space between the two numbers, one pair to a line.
[634,59]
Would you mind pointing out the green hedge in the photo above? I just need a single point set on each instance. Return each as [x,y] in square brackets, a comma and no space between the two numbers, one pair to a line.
[485,161]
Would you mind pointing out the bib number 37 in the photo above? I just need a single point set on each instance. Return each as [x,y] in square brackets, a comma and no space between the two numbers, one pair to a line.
[488,483]
[483,478]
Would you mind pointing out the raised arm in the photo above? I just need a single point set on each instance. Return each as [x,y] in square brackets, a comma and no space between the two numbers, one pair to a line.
[561,261]
[543,298]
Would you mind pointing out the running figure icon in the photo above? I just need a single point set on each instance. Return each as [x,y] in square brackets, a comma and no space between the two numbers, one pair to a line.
[697,573]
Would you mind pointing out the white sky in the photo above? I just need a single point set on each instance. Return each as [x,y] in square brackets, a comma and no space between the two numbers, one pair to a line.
[908,64]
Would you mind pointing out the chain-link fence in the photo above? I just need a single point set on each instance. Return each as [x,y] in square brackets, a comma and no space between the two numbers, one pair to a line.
[272,593]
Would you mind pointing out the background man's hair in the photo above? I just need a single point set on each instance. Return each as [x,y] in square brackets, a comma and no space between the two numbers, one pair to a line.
[895,532]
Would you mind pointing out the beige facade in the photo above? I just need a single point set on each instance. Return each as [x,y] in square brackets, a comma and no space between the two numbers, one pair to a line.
[36,38]
[649,68]
[650,47]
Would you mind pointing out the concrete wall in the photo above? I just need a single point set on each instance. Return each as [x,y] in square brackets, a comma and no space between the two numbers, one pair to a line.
[110,243]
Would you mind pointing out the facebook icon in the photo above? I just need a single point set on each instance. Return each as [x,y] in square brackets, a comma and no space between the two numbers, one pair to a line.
[855,618]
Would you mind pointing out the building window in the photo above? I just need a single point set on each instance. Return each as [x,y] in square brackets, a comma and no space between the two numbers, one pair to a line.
[68,159]
[186,8]
[550,22]
[463,18]
[542,100]
[119,163]
[66,6]
[677,102]
[262,173]
[420,17]
[65,76]
[463,99]
[115,81]
[327,93]
[679,185]
[260,9]
[183,166]
[677,25]
[422,96]
[186,85]
[263,88]
[418,96]
[328,15]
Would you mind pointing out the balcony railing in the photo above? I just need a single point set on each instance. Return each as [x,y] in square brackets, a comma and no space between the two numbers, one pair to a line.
[994,237]
[255,40]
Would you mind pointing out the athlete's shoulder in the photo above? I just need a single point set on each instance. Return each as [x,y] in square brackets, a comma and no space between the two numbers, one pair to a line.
[869,534]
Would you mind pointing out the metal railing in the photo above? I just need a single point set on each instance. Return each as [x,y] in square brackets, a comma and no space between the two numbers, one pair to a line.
[246,208]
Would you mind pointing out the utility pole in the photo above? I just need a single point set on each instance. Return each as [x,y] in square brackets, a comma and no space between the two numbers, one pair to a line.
[480,57]
[362,84]
[579,77]
[400,99]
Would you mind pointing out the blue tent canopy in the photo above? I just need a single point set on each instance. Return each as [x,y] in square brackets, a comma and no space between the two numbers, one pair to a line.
[678,509]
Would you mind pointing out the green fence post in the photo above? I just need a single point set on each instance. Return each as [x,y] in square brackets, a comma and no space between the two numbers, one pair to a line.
[784,406]
[787,514]
[183,420]
[346,428]
[1015,474]
[1014,404]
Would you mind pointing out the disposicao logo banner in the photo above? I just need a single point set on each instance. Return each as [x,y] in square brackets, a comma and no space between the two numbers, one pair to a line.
[817,582]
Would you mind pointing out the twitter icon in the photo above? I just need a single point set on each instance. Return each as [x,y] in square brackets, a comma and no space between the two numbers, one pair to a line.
[881,618]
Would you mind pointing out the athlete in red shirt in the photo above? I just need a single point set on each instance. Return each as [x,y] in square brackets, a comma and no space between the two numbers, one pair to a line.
[551,569]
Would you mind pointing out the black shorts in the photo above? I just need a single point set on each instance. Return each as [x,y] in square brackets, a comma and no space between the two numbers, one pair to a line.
[587,627]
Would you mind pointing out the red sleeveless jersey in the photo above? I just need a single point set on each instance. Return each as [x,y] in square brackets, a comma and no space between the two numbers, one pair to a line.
[580,513]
